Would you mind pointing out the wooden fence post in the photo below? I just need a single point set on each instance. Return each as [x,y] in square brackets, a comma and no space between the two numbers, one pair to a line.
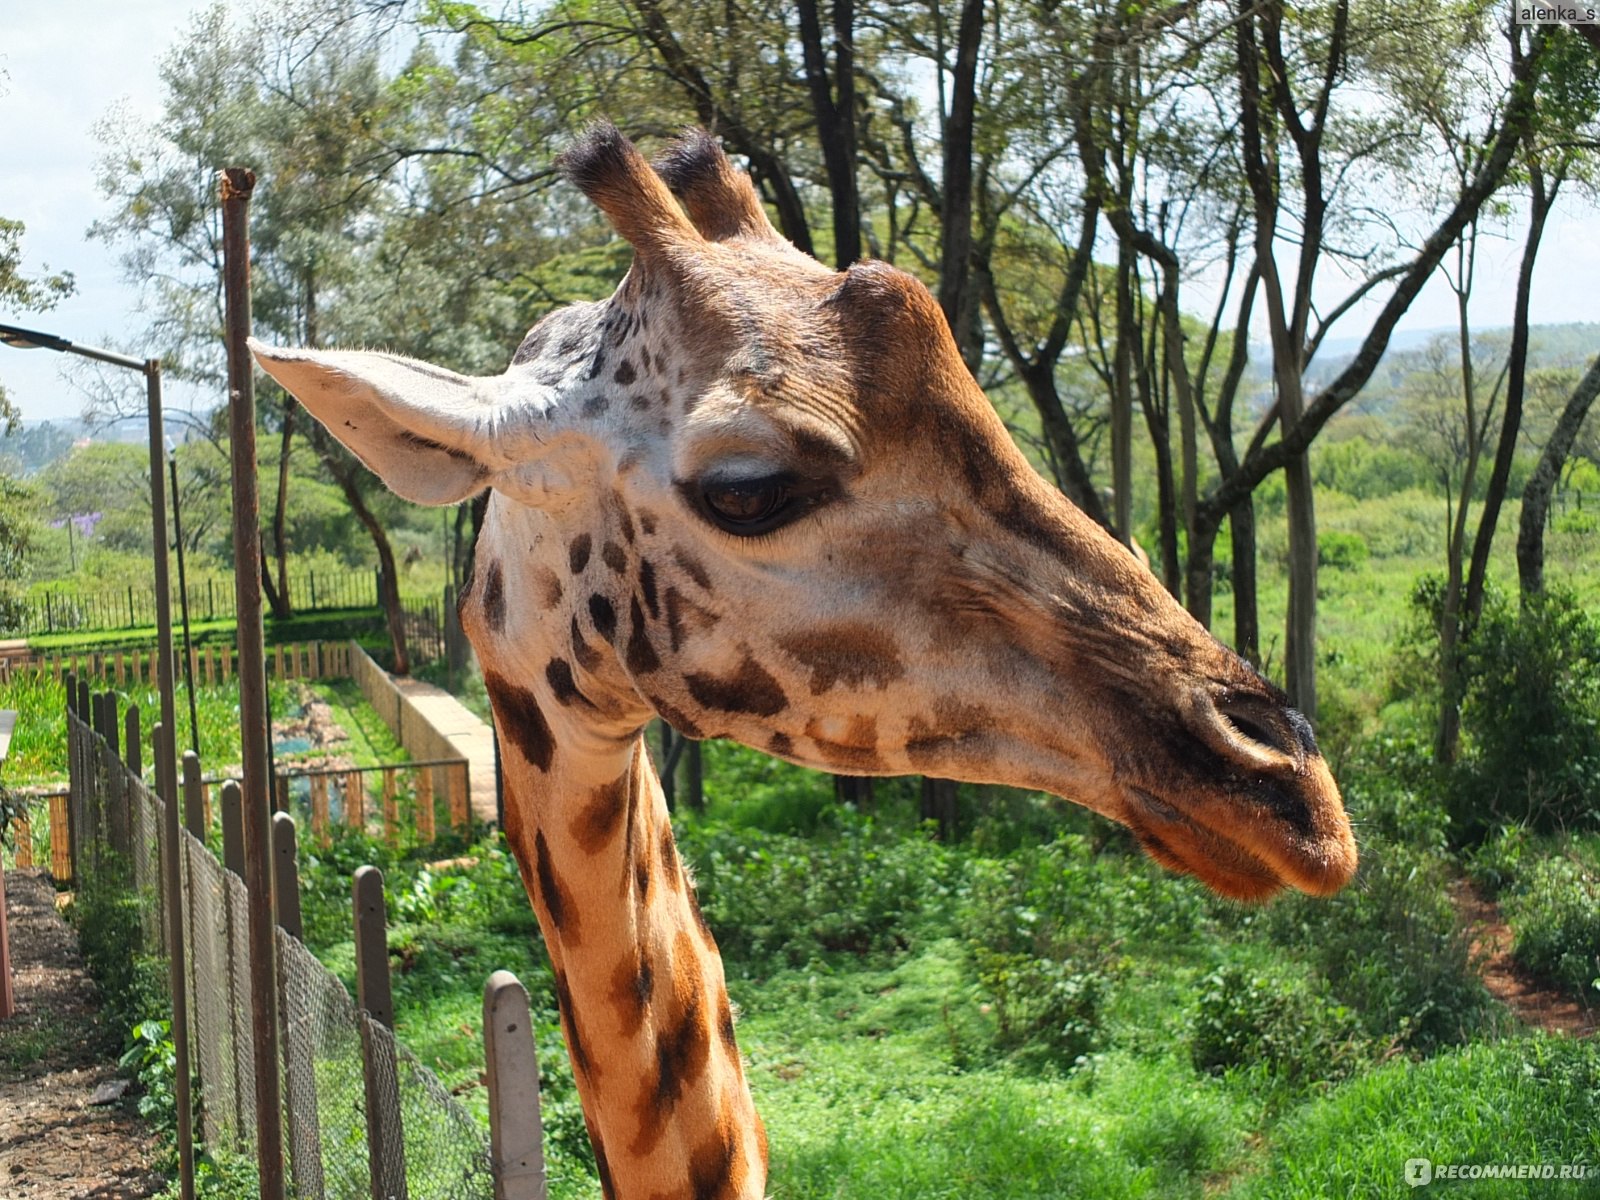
[299,1040]
[516,1132]
[422,818]
[232,829]
[385,1139]
[355,802]
[132,752]
[460,798]
[319,810]
[194,805]
[391,809]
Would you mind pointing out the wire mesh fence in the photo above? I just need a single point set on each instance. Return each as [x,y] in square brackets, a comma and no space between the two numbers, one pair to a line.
[362,1117]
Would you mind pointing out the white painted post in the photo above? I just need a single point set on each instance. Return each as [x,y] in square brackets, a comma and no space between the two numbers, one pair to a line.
[516,1132]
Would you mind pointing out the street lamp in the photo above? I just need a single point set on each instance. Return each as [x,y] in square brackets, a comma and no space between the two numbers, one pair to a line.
[31,339]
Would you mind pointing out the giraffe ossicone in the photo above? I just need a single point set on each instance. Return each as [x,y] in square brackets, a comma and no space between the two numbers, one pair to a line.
[766,501]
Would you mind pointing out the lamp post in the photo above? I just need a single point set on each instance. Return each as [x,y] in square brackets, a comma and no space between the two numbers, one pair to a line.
[165,753]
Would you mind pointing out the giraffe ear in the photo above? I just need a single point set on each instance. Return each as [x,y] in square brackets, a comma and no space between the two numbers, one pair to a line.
[433,436]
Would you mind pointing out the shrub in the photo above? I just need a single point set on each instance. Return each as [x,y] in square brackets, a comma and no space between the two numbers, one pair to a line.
[776,900]
[1046,1007]
[1531,719]
[1284,1024]
[1342,551]
[1394,948]
[1555,917]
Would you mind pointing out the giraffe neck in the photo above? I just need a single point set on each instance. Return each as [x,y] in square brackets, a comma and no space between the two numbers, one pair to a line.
[644,1005]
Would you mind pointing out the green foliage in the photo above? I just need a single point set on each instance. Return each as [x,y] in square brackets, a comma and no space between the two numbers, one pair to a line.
[1392,946]
[1283,1025]
[107,919]
[854,888]
[1342,551]
[1367,469]
[1554,913]
[153,1059]
[1526,1100]
[1531,719]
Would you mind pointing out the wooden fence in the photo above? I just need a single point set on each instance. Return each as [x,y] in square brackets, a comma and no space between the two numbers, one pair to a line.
[211,663]
[63,610]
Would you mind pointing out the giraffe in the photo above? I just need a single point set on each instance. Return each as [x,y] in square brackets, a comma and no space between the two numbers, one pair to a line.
[766,501]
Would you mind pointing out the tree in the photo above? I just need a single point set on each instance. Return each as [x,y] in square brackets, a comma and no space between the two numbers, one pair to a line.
[20,292]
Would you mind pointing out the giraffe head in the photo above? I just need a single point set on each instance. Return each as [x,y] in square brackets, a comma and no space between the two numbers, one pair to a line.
[767,501]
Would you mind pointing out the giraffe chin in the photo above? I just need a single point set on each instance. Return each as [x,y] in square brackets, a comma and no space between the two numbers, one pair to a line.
[1226,865]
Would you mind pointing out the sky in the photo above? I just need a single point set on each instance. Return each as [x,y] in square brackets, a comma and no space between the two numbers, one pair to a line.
[67,64]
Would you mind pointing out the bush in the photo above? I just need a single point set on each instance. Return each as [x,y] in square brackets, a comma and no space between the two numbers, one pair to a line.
[1342,551]
[1286,1025]
[1555,917]
[777,900]
[1046,1007]
[1530,720]
[1394,948]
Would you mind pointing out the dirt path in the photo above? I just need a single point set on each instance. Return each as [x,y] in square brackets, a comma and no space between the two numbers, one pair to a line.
[1535,1003]
[55,1144]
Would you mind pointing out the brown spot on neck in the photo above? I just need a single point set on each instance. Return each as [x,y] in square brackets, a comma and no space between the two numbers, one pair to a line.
[517,713]
[750,689]
[494,597]
[847,652]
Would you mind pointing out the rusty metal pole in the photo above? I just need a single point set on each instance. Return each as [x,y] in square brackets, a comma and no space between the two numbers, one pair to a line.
[167,788]
[237,184]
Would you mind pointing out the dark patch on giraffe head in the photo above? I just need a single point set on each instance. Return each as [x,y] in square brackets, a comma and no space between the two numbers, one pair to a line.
[625,373]
[647,588]
[532,346]
[614,557]
[578,553]
[549,585]
[598,820]
[596,405]
[750,689]
[604,616]
[692,567]
[856,749]
[587,656]
[518,715]
[954,728]
[558,674]
[647,521]
[677,718]
[846,652]
[780,744]
[625,523]
[494,597]
[557,902]
[641,656]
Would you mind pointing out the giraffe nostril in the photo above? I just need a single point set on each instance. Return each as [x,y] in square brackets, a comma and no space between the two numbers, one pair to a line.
[1261,730]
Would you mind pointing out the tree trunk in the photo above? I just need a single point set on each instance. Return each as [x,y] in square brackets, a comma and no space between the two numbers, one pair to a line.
[344,474]
[1516,388]
[941,803]
[834,108]
[1122,401]
[1536,496]
[1246,610]
[955,212]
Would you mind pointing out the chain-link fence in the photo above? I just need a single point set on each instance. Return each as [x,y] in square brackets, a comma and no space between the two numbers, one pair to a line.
[361,1116]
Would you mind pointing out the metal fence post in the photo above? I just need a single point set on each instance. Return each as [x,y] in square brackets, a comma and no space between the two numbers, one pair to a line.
[233,860]
[385,1138]
[178,971]
[516,1131]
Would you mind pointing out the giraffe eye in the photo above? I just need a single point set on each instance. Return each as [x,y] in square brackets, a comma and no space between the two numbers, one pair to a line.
[749,506]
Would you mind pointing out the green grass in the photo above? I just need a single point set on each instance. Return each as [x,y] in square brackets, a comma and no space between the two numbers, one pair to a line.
[1523,1100]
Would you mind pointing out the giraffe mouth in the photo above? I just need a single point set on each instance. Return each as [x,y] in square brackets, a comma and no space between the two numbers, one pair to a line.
[1223,861]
